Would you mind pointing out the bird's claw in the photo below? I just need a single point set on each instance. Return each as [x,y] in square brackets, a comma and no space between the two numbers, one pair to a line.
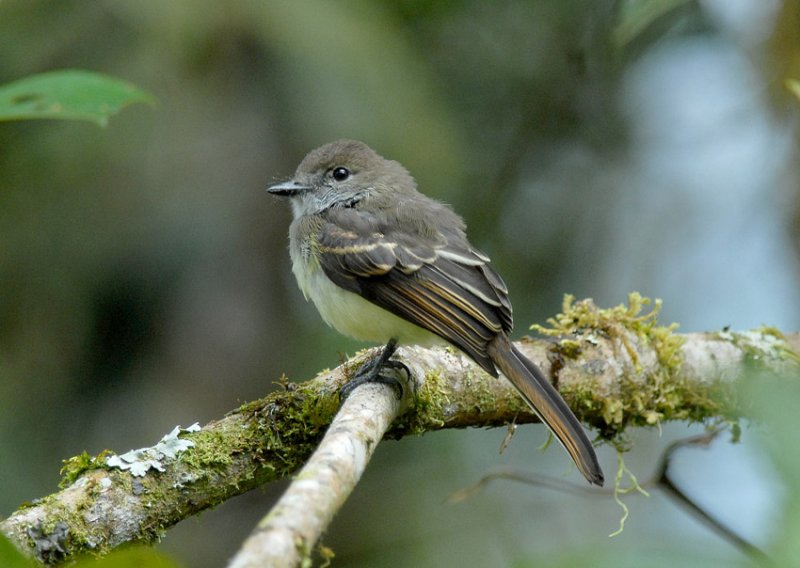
[370,372]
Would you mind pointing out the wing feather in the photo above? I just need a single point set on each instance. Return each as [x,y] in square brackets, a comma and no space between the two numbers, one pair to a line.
[436,281]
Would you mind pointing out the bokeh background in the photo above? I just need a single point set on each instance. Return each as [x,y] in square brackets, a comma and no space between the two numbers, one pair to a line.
[593,147]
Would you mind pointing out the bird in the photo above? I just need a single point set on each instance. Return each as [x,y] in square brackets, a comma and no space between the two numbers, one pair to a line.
[382,262]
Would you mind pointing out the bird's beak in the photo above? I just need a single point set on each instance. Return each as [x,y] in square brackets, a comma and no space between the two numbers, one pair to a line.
[287,188]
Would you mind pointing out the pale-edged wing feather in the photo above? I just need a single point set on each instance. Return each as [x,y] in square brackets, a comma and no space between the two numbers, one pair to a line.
[438,281]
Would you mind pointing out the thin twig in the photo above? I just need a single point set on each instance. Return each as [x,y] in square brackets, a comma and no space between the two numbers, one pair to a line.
[664,481]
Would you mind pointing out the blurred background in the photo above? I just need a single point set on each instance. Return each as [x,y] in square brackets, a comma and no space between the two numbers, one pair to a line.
[593,148]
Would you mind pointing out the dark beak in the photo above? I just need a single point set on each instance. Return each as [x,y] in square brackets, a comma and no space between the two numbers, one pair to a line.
[287,188]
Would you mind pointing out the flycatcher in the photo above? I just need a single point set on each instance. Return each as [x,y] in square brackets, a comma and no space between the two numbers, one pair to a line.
[382,262]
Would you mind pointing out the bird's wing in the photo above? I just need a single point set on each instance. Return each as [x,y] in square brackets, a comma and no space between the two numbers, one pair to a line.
[437,281]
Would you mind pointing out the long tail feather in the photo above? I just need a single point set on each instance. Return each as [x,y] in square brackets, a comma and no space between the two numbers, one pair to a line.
[548,405]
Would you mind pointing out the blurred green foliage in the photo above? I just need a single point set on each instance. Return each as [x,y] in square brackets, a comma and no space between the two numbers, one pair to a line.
[10,557]
[129,557]
[636,16]
[776,400]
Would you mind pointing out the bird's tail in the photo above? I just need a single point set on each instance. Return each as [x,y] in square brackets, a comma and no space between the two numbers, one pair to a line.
[548,405]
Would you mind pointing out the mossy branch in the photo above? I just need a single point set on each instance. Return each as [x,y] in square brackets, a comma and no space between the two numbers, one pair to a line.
[612,377]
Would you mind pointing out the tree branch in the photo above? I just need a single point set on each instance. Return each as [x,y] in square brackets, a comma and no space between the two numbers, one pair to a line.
[289,532]
[611,380]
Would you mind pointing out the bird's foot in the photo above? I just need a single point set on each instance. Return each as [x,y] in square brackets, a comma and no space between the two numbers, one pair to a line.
[370,372]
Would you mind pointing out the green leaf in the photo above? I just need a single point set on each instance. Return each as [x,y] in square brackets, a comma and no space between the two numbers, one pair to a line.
[68,95]
[10,557]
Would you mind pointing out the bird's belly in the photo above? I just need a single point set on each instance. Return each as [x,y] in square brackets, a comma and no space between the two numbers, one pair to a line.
[352,315]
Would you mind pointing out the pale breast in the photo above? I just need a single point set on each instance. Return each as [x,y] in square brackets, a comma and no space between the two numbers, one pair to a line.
[356,317]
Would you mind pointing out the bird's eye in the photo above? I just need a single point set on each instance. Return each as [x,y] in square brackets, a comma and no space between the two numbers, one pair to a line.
[340,173]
